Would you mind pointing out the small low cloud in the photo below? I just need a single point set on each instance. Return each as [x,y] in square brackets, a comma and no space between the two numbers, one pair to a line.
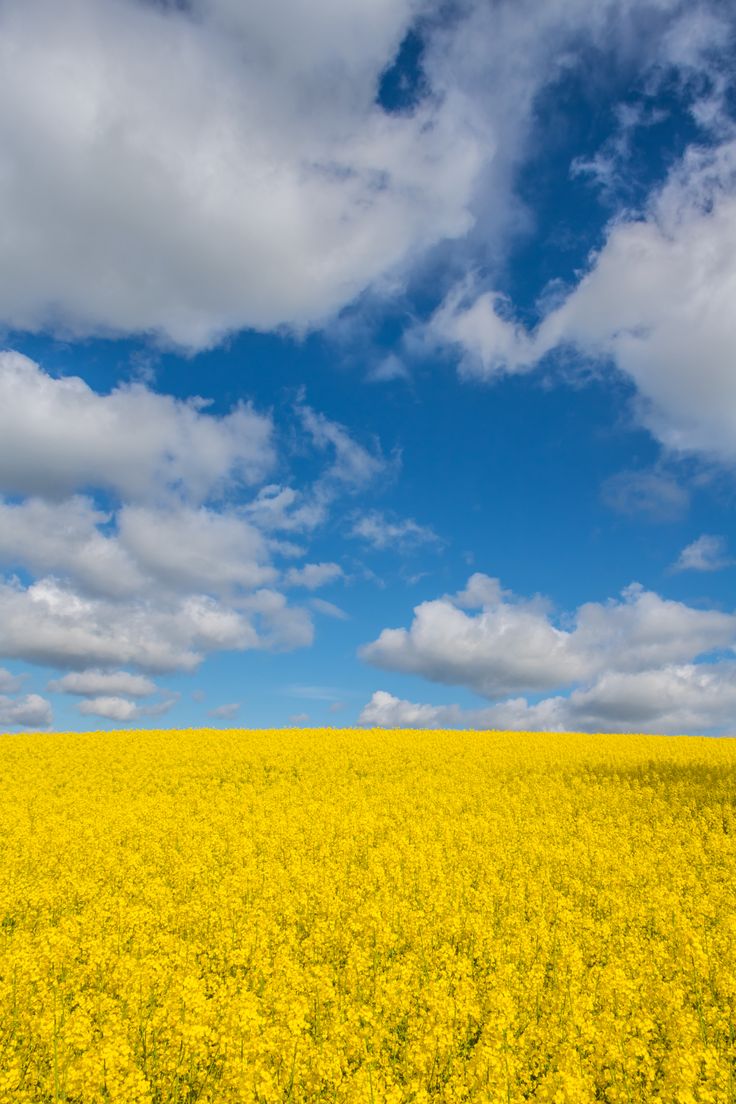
[226,711]
[707,553]
[389,369]
[108,706]
[114,708]
[299,718]
[31,711]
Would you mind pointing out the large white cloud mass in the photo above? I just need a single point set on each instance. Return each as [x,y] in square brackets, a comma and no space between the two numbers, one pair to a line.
[626,663]
[512,645]
[194,168]
[191,169]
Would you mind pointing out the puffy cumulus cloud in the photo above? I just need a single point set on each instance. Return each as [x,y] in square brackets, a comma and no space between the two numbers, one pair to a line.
[31,711]
[687,698]
[313,575]
[511,645]
[707,553]
[383,532]
[656,301]
[170,570]
[506,647]
[677,698]
[94,683]
[109,707]
[114,708]
[224,167]
[54,625]
[177,547]
[58,436]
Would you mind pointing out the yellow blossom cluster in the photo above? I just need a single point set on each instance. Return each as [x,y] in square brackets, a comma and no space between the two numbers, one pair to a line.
[367,917]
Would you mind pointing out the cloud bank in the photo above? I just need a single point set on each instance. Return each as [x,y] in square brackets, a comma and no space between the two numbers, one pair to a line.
[628,663]
[188,170]
[137,537]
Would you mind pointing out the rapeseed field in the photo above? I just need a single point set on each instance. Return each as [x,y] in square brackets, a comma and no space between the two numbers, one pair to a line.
[366,917]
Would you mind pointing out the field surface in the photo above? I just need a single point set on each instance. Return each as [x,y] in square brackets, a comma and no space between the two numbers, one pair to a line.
[357,917]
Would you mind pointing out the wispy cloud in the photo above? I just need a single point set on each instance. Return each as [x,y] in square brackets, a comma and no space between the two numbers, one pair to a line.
[707,553]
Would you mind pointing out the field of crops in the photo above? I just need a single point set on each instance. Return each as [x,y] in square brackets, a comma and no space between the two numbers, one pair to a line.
[366,916]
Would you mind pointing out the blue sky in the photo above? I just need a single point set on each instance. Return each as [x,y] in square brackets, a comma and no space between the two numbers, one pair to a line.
[368,364]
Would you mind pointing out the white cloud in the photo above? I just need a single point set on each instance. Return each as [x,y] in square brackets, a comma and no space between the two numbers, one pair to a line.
[226,711]
[688,698]
[198,549]
[707,553]
[176,547]
[656,301]
[63,538]
[115,708]
[281,627]
[161,579]
[511,645]
[506,647]
[313,575]
[94,683]
[58,436]
[276,508]
[31,711]
[110,707]
[225,166]
[388,369]
[382,532]
[53,625]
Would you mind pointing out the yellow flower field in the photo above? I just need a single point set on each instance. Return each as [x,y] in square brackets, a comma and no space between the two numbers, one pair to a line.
[366,917]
